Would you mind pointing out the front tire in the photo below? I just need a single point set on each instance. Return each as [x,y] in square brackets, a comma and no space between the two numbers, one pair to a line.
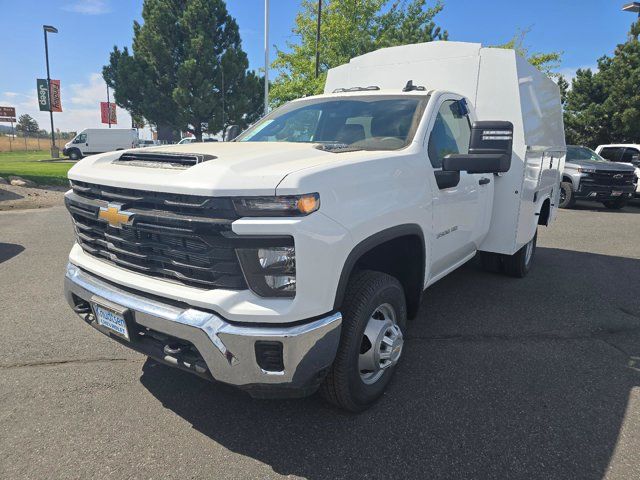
[567,196]
[615,204]
[374,314]
[75,154]
[519,264]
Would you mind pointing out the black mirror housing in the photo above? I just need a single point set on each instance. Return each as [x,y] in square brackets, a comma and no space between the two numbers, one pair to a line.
[490,149]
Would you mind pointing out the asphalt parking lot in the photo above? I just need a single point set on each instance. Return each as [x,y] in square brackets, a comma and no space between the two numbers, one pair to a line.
[501,378]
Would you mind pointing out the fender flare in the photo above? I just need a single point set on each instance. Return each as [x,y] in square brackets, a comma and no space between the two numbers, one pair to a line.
[370,243]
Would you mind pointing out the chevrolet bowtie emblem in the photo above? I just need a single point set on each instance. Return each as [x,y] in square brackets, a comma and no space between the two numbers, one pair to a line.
[114,215]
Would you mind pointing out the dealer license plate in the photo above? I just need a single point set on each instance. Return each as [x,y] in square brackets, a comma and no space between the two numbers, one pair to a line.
[616,193]
[111,320]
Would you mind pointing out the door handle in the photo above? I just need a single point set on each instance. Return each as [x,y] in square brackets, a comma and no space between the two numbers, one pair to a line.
[484,181]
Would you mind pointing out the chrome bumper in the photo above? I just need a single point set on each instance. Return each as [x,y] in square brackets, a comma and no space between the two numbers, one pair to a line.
[227,349]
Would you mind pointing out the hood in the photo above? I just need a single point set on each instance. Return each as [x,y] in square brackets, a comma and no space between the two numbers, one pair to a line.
[604,166]
[238,167]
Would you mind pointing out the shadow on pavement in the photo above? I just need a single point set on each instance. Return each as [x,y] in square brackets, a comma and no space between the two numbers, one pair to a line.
[8,195]
[9,250]
[501,378]
[632,207]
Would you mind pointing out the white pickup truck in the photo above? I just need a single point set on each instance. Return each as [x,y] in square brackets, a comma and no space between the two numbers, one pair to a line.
[290,259]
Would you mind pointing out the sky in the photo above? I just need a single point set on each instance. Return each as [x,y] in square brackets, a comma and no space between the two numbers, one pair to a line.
[583,30]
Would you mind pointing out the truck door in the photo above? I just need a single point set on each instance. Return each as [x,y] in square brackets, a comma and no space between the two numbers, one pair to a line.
[461,212]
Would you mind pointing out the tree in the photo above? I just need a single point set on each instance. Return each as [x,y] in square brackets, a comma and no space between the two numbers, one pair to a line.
[564,87]
[604,106]
[349,28]
[585,119]
[186,61]
[27,125]
[545,62]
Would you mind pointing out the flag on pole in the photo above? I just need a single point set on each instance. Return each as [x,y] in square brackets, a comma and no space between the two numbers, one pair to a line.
[108,110]
[43,95]
[56,101]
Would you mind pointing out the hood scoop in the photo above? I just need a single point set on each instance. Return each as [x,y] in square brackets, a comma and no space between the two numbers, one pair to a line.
[179,161]
[337,147]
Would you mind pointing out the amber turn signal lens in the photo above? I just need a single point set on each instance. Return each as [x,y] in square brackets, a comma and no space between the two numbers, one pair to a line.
[308,203]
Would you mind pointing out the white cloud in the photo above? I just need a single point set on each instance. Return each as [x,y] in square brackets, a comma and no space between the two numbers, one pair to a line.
[88,7]
[569,73]
[80,106]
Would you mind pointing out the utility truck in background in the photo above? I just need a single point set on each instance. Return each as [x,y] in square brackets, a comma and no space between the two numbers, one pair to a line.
[290,259]
[99,140]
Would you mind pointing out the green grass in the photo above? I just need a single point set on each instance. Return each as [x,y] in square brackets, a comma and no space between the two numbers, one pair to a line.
[30,165]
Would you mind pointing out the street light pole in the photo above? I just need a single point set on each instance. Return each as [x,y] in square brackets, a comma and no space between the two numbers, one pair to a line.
[49,28]
[266,56]
[318,38]
[632,7]
[108,107]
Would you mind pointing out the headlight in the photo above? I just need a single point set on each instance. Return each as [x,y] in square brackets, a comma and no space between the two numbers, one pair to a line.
[280,206]
[586,170]
[269,271]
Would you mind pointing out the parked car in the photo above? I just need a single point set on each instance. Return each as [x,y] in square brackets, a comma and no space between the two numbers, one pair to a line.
[98,140]
[588,176]
[147,143]
[291,258]
[623,152]
[187,140]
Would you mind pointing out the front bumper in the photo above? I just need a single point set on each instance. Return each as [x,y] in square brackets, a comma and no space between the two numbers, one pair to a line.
[601,193]
[227,352]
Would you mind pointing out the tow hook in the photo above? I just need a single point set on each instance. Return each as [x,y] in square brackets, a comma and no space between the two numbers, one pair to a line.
[173,349]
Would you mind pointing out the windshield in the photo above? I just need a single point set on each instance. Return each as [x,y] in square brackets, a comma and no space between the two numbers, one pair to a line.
[376,122]
[582,153]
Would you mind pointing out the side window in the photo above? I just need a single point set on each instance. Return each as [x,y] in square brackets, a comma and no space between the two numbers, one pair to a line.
[631,155]
[451,133]
[81,138]
[611,153]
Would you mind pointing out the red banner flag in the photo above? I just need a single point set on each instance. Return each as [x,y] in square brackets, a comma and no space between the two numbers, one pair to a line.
[56,100]
[108,110]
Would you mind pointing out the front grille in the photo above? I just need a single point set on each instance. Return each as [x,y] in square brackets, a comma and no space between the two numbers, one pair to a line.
[609,178]
[181,238]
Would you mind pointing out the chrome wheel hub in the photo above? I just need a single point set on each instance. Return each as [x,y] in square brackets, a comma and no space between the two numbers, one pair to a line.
[381,345]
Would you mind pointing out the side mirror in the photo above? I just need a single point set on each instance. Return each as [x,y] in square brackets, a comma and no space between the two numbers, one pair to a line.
[231,132]
[490,149]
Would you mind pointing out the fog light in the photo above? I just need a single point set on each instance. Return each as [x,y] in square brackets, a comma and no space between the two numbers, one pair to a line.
[269,271]
[278,257]
[281,283]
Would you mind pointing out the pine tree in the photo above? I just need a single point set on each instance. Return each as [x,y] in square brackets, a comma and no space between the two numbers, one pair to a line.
[186,62]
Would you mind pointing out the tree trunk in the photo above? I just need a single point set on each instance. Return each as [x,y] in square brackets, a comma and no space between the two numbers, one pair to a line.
[197,131]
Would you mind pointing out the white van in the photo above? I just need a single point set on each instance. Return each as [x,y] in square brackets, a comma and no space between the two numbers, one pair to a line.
[99,140]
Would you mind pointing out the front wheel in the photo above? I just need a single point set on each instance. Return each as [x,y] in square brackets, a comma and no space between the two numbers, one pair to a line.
[75,154]
[519,264]
[567,197]
[615,204]
[374,314]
